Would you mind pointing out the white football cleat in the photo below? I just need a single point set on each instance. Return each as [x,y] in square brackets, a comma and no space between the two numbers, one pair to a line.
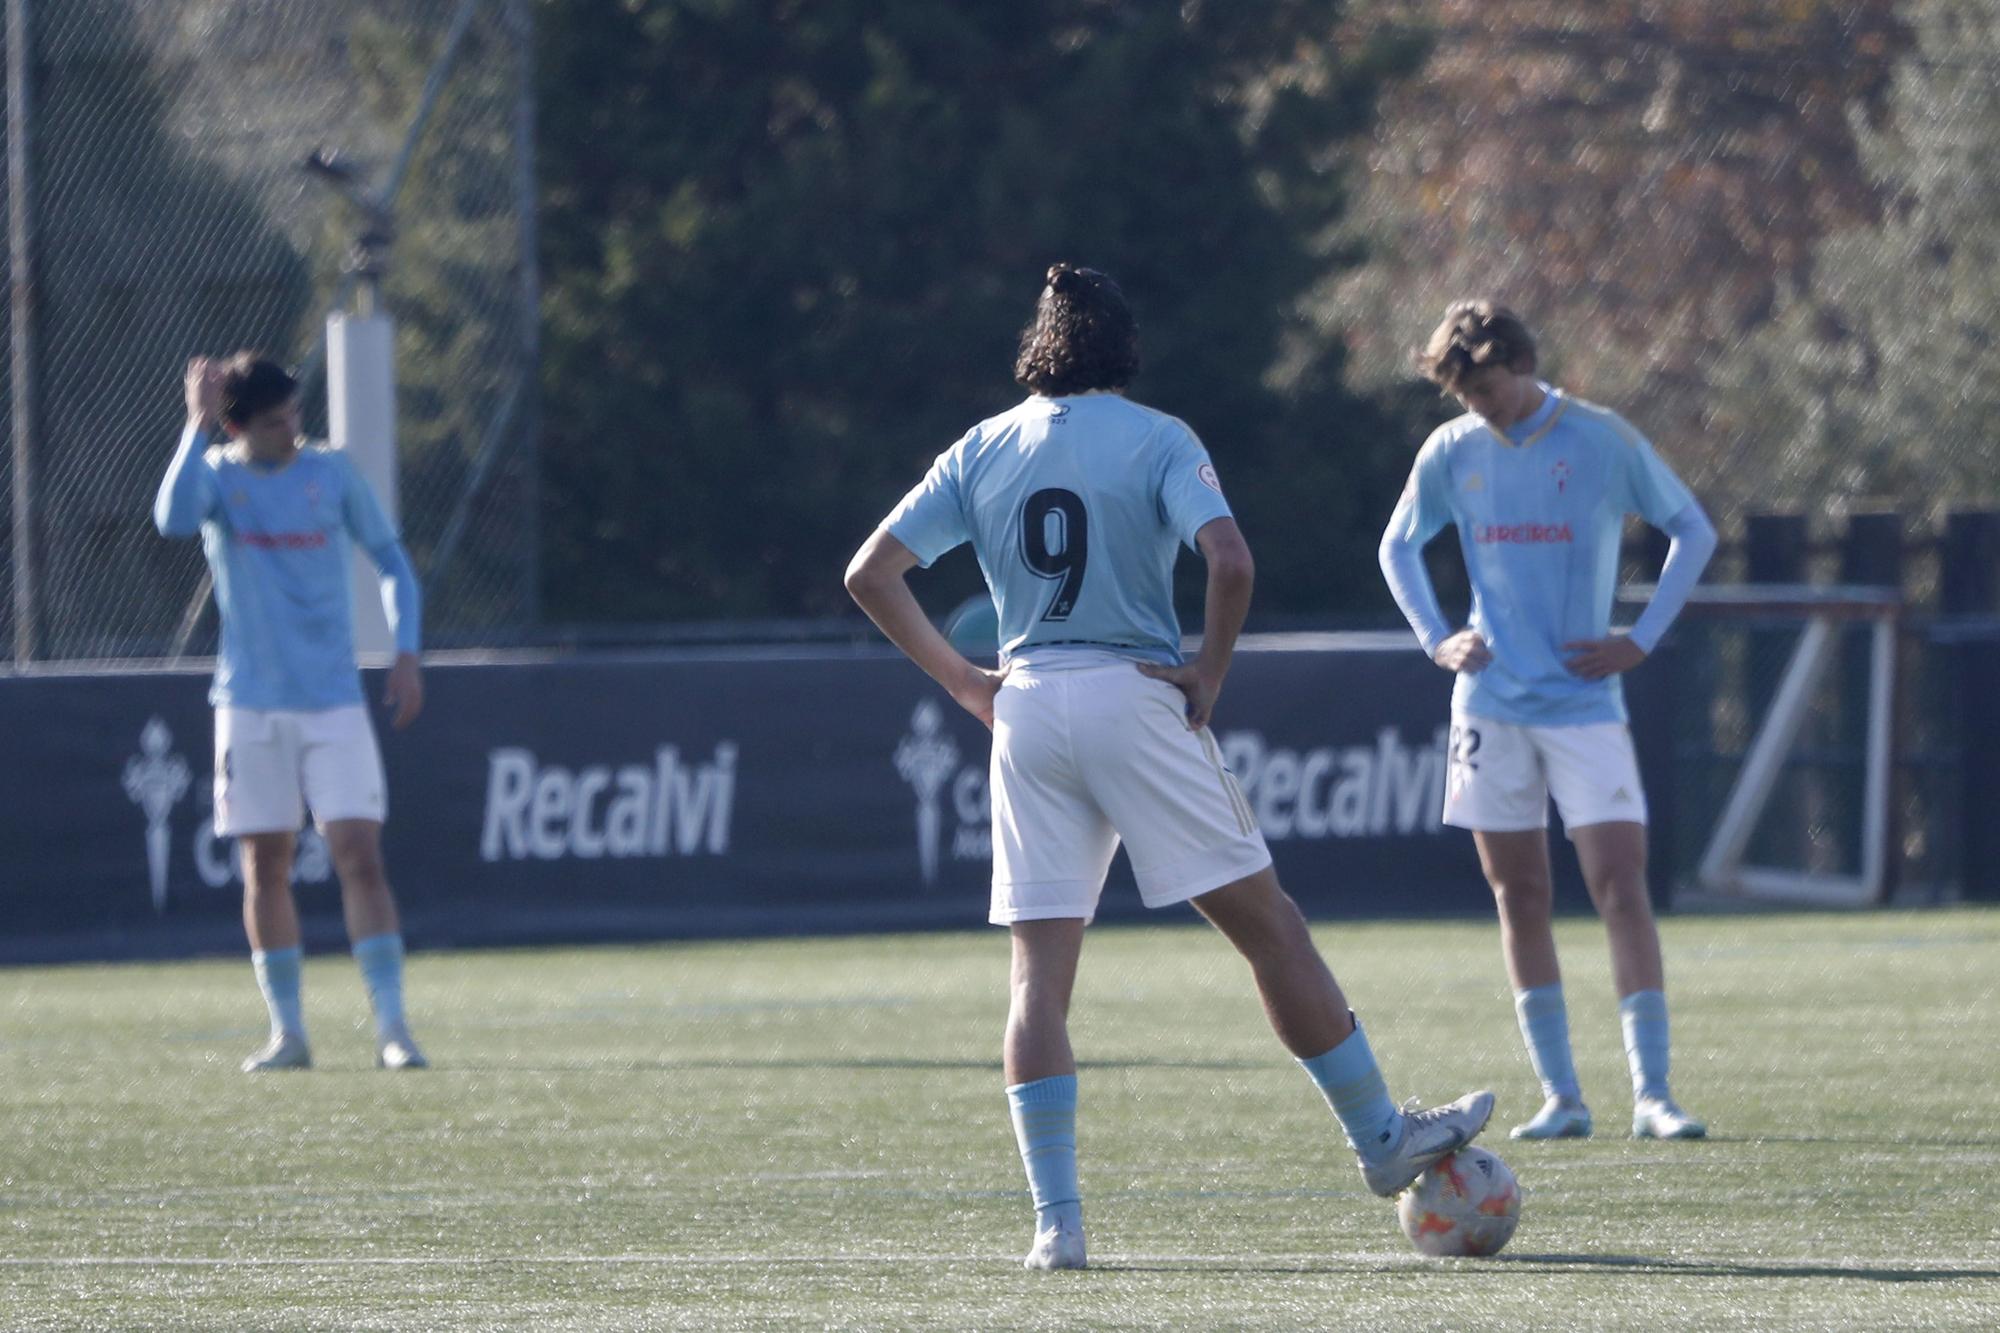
[1559,1118]
[1058,1247]
[285,1050]
[399,1050]
[1660,1118]
[1427,1136]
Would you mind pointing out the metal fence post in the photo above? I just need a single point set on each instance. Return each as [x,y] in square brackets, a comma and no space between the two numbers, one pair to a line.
[1969,591]
[21,306]
[521,24]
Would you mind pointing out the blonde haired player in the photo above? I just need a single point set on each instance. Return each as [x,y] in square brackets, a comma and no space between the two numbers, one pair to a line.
[1538,485]
[1077,502]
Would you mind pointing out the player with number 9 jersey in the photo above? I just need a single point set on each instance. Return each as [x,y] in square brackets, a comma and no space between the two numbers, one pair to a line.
[1077,507]
[1077,503]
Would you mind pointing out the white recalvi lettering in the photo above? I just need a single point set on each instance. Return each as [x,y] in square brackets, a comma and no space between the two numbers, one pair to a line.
[1357,791]
[546,812]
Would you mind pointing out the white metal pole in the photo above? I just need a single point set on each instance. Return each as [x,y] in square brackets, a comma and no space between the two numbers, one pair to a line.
[1764,763]
[361,419]
[1880,789]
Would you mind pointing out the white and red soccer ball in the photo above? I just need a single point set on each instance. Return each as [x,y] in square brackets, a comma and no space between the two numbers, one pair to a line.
[1468,1203]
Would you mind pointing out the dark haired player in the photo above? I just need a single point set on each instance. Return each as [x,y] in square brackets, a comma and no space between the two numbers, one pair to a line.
[1077,502]
[276,516]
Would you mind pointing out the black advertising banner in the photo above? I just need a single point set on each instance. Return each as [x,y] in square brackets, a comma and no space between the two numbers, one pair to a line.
[689,793]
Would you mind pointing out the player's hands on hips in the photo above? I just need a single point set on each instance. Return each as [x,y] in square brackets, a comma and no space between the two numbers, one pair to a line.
[1197,685]
[203,386]
[1594,659]
[404,693]
[976,692]
[1464,651]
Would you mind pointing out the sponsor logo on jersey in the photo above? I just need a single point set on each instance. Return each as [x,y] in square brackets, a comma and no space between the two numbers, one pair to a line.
[1560,471]
[676,805]
[1522,534]
[283,541]
[1474,483]
[1208,478]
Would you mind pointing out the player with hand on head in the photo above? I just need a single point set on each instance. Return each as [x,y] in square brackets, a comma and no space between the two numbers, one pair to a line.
[276,516]
[1077,502]
[1538,484]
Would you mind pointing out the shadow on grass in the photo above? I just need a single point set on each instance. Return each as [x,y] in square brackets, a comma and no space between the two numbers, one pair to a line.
[1862,1140]
[1719,1268]
[615,1066]
[1497,1265]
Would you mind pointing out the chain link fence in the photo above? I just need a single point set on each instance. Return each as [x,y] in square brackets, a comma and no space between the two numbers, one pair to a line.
[166,212]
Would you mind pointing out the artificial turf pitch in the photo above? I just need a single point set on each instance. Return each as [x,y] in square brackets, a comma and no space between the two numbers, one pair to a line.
[812,1133]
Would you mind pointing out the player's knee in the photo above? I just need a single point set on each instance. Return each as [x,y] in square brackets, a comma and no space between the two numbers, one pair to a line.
[360,870]
[1524,895]
[1622,895]
[266,868]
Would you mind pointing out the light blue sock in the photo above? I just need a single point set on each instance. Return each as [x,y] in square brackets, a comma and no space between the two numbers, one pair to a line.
[1643,1015]
[278,977]
[1545,1027]
[1352,1083]
[1044,1115]
[381,960]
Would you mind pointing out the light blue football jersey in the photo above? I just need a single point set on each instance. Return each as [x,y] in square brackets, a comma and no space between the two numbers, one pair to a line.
[1077,508]
[277,542]
[1540,512]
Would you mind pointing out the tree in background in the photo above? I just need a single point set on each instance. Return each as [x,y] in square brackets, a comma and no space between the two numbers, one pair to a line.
[1879,377]
[1641,178]
[454,289]
[788,248]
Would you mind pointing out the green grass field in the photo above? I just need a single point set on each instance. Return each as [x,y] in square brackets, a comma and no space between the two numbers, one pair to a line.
[786,1133]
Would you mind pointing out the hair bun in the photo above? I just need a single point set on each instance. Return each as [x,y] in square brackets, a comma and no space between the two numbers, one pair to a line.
[1064,279]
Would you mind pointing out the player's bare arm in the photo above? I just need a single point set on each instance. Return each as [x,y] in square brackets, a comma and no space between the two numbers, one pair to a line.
[876,579]
[1464,651]
[404,691]
[1596,659]
[1231,576]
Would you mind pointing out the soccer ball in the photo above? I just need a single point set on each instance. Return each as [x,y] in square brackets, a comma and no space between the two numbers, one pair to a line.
[1468,1203]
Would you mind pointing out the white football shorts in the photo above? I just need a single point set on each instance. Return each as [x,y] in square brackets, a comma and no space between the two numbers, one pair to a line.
[1084,756]
[1501,775]
[271,765]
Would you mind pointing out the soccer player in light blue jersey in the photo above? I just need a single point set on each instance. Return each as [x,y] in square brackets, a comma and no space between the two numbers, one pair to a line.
[276,516]
[1538,485]
[1077,503]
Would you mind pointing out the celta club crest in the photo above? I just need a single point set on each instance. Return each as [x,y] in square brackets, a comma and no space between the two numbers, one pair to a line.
[1561,473]
[155,780]
[926,759]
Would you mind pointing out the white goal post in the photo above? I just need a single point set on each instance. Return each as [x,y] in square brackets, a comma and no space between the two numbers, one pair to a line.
[1821,611]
